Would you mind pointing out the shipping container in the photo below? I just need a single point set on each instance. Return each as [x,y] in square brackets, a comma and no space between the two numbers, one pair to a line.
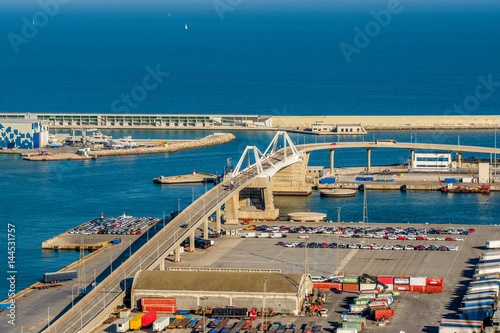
[367,286]
[401,280]
[160,308]
[329,180]
[435,281]
[386,279]
[434,289]
[148,318]
[347,330]
[350,287]
[486,293]
[418,289]
[487,270]
[402,287]
[123,325]
[489,255]
[136,322]
[161,323]
[418,281]
[360,179]
[450,180]
[327,285]
[354,325]
[353,279]
[157,301]
[357,308]
[59,276]
[380,314]
[361,320]
[493,244]
[124,313]
[466,180]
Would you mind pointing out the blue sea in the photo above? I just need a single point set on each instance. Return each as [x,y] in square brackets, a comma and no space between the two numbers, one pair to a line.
[260,57]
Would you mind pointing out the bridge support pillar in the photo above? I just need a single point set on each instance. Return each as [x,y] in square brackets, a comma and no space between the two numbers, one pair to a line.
[332,152]
[291,180]
[162,264]
[191,242]
[218,214]
[177,254]
[205,229]
[368,160]
[232,207]
[459,163]
[412,159]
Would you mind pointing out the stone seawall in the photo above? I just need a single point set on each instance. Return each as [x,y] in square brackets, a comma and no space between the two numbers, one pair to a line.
[211,140]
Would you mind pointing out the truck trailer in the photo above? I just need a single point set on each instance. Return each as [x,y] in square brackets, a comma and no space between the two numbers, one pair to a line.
[123,325]
[59,276]
[493,244]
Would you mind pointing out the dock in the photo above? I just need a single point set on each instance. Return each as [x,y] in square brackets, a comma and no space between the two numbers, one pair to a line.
[199,177]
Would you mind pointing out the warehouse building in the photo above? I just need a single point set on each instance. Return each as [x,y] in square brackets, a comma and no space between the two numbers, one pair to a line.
[283,292]
[23,133]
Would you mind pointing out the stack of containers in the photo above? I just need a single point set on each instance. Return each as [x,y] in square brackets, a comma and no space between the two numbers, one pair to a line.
[388,280]
[418,284]
[351,324]
[402,283]
[434,285]
[361,320]
[350,283]
[163,305]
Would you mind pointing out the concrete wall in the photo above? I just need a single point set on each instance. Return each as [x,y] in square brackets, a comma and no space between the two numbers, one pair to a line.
[392,121]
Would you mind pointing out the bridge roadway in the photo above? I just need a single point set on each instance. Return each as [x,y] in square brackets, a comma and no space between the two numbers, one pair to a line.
[398,145]
[83,317]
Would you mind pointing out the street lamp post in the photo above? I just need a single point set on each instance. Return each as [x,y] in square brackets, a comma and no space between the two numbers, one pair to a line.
[204,326]
[48,317]
[264,301]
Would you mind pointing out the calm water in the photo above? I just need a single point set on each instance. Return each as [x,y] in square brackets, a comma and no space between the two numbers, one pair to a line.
[265,57]
[45,199]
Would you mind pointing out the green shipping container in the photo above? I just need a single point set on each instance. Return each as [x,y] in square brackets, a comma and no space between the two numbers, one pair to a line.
[361,301]
[356,325]
[350,280]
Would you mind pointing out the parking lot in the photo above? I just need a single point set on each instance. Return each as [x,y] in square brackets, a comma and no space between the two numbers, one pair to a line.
[123,225]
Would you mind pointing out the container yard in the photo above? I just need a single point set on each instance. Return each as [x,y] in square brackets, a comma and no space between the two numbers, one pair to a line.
[376,291]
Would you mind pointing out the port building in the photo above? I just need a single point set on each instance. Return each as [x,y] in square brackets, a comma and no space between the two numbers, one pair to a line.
[432,161]
[24,133]
[281,292]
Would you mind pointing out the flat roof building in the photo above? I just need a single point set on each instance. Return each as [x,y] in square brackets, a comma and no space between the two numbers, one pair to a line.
[23,133]
[283,292]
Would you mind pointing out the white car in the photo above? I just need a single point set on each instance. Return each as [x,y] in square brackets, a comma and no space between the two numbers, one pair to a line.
[440,238]
[324,312]
[431,238]
[459,239]
[304,236]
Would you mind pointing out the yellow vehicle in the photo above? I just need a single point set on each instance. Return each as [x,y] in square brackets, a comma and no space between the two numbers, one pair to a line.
[136,322]
[250,227]
[400,175]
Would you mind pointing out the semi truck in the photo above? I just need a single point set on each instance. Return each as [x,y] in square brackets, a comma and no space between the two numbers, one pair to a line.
[161,323]
[59,276]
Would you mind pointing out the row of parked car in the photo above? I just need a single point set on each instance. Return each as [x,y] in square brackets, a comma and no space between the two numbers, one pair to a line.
[393,233]
[123,225]
[364,246]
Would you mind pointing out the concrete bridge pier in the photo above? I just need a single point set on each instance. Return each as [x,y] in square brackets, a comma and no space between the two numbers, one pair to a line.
[459,163]
[205,229]
[291,180]
[177,252]
[192,246]
[412,159]
[332,152]
[218,214]
[368,160]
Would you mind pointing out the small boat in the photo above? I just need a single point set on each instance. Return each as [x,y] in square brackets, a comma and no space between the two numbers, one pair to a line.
[338,192]
[186,26]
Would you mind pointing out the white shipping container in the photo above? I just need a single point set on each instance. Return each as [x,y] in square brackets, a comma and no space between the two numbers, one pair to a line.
[347,330]
[276,235]
[250,235]
[466,180]
[367,286]
[390,287]
[458,329]
[418,281]
[402,280]
[123,325]
[161,323]
[264,235]
[493,244]
[488,270]
[483,288]
[489,256]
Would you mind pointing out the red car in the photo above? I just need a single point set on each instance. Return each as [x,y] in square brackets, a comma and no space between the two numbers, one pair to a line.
[420,238]
[401,238]
[472,230]
[333,144]
[449,239]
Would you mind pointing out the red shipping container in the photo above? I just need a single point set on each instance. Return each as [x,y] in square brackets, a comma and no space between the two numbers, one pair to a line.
[383,313]
[434,281]
[148,318]
[157,301]
[386,279]
[160,308]
[434,289]
[402,287]
[327,285]
[418,289]
[350,287]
